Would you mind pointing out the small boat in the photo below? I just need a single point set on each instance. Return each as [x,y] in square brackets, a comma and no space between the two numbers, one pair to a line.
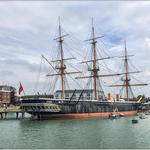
[114,116]
[142,116]
[147,113]
[121,115]
[134,121]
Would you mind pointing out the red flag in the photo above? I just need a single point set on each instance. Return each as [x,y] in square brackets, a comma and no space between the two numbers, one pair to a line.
[20,89]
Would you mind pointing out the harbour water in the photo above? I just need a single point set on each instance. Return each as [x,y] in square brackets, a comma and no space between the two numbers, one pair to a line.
[75,133]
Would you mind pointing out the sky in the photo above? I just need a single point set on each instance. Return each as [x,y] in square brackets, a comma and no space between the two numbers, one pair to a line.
[27,30]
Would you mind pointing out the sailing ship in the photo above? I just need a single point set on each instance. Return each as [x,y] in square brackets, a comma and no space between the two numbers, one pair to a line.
[84,102]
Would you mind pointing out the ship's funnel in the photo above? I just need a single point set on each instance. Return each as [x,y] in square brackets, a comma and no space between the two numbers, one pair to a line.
[117,97]
[109,97]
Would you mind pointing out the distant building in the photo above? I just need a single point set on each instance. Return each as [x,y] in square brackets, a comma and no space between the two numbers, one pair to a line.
[7,94]
[88,94]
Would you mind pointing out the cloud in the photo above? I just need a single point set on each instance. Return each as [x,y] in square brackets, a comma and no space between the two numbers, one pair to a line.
[147,42]
[27,30]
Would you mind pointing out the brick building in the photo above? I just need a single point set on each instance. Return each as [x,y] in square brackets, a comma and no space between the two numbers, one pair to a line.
[7,94]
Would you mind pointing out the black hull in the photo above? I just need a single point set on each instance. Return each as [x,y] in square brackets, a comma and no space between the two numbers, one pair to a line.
[75,108]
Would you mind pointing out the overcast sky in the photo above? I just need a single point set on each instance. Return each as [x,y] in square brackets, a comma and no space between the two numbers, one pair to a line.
[27,30]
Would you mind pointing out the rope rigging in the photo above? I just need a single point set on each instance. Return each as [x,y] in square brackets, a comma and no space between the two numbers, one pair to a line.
[38,77]
[95,53]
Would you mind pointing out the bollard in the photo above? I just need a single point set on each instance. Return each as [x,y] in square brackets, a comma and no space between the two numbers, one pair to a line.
[1,115]
[22,115]
[17,114]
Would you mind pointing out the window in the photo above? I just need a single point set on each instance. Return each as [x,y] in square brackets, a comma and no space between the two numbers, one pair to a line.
[67,95]
[88,96]
[74,96]
[57,95]
[29,107]
[34,107]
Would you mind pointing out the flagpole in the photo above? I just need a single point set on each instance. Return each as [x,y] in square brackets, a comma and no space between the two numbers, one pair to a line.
[24,92]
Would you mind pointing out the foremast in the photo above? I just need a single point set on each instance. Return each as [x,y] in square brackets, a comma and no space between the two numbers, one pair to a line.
[60,69]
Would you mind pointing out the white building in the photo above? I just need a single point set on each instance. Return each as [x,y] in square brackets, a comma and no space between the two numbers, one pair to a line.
[88,94]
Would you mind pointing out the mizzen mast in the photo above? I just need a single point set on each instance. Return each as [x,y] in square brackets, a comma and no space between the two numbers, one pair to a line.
[126,79]
[94,70]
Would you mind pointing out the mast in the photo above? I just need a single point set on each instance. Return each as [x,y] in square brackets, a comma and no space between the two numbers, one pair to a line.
[126,81]
[126,74]
[94,62]
[95,76]
[62,66]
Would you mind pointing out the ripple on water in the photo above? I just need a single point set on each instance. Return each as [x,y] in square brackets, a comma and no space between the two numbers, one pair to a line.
[75,133]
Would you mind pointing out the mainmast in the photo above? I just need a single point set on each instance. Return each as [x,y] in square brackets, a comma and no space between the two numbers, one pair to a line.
[62,66]
[94,75]
[126,74]
[95,70]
